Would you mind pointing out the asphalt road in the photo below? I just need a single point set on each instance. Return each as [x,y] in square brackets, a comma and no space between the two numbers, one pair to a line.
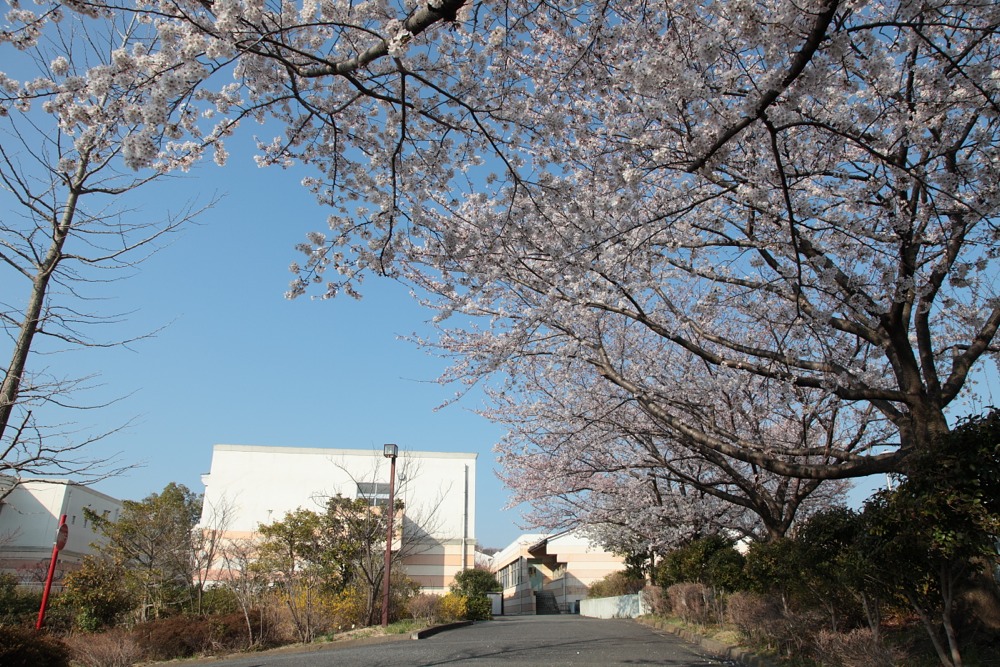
[519,640]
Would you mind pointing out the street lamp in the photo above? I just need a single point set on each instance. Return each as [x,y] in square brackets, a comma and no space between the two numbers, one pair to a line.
[389,451]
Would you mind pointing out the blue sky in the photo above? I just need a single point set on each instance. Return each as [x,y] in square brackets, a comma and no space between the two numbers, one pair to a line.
[237,363]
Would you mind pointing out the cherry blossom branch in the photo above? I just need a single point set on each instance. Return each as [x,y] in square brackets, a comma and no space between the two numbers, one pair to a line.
[768,97]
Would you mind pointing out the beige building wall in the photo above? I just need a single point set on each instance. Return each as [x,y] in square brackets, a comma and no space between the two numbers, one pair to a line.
[253,485]
[434,565]
[564,564]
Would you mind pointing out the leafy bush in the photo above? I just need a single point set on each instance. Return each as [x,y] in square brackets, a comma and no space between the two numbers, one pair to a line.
[453,607]
[924,540]
[773,568]
[219,600]
[475,582]
[615,584]
[349,608]
[478,608]
[473,585]
[710,560]
[99,593]
[24,647]
[17,606]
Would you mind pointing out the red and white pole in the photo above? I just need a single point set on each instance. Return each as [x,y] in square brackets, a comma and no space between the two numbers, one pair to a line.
[62,534]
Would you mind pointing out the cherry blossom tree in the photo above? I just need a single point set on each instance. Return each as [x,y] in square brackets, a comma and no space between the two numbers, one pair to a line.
[71,113]
[640,485]
[804,193]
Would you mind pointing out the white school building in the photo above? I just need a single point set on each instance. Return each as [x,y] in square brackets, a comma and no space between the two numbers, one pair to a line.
[259,485]
[29,519]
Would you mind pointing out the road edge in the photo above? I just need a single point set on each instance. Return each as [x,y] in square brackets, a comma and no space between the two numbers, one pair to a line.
[738,654]
[434,629]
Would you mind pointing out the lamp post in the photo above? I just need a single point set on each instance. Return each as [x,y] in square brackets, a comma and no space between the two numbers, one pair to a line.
[389,451]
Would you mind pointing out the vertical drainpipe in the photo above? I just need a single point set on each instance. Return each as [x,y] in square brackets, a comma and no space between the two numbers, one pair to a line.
[465,523]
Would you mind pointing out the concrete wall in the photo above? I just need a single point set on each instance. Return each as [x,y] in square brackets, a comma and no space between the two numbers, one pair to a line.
[623,606]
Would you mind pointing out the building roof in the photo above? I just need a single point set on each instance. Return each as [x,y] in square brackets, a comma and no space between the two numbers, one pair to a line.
[327,451]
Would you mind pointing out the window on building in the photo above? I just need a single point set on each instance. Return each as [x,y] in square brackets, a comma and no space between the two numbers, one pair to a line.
[375,494]
[510,576]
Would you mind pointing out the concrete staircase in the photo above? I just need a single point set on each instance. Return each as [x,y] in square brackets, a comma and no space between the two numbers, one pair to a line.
[545,603]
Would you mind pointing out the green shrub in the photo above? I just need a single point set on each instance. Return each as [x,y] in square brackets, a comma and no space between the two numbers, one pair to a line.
[219,600]
[98,594]
[478,608]
[475,582]
[710,560]
[24,647]
[615,584]
[17,605]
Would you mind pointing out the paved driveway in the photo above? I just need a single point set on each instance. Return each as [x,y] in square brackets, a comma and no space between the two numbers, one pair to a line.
[524,640]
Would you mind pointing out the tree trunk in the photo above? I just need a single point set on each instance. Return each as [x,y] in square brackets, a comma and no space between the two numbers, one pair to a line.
[10,390]
[932,632]
[948,597]
[873,616]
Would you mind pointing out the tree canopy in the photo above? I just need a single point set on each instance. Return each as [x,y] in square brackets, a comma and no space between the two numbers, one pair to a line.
[679,201]
[150,545]
[801,193]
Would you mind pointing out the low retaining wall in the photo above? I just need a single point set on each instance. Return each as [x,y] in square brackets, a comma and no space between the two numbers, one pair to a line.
[623,606]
